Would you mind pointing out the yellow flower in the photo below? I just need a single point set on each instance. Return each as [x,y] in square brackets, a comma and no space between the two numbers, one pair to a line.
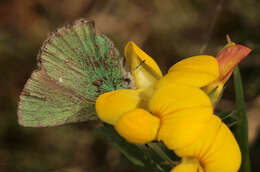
[120,106]
[173,109]
[195,71]
[189,128]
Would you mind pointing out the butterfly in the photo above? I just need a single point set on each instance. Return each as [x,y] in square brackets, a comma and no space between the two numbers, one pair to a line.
[76,64]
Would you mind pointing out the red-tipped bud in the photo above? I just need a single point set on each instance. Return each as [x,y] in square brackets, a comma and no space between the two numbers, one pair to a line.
[229,58]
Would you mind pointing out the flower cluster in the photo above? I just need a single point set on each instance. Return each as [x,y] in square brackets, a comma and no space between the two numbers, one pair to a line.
[176,109]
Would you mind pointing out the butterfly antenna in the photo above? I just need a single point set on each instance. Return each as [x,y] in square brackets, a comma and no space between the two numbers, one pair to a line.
[140,64]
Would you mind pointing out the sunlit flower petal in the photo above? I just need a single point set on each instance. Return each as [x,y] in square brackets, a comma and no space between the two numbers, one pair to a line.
[188,165]
[202,63]
[196,71]
[138,126]
[174,97]
[134,59]
[183,127]
[111,106]
[224,152]
[216,148]
[187,77]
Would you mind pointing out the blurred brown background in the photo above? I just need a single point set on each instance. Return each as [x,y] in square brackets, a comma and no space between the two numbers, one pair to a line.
[168,30]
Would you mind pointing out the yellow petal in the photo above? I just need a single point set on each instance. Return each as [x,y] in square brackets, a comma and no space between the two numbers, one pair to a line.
[216,148]
[188,165]
[224,152]
[131,50]
[143,77]
[174,97]
[183,127]
[202,63]
[201,145]
[112,105]
[138,126]
[197,71]
[187,77]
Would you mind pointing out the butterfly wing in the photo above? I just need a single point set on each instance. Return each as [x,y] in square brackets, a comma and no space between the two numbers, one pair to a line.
[75,65]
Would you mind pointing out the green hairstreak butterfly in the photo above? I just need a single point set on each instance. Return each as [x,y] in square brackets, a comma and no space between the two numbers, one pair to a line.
[75,65]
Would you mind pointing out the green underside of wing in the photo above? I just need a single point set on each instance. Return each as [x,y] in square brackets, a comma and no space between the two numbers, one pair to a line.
[76,65]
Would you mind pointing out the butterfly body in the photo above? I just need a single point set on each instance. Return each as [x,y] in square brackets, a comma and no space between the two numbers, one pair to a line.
[75,65]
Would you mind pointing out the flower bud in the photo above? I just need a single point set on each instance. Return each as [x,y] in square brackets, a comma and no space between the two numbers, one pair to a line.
[228,58]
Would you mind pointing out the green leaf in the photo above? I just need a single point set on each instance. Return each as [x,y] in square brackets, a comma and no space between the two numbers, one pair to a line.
[241,129]
[225,115]
[143,156]
[75,65]
[158,149]
[132,152]
[229,118]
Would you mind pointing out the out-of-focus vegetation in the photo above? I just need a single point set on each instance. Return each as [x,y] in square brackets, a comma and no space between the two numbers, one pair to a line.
[168,30]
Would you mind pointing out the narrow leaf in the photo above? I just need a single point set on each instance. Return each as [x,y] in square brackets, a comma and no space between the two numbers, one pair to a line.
[225,115]
[241,129]
[139,155]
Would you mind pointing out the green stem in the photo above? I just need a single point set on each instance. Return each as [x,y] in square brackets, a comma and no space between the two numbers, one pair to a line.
[160,152]
[241,129]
